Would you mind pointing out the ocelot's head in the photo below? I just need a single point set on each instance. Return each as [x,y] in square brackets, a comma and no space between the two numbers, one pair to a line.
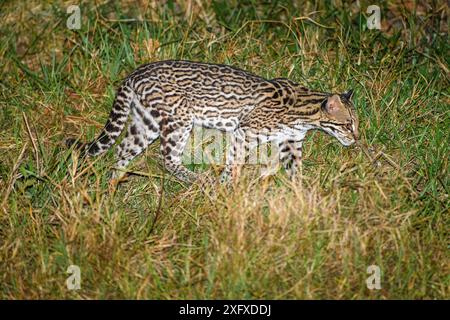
[339,118]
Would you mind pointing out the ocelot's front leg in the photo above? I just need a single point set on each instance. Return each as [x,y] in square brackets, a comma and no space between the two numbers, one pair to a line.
[291,156]
[142,131]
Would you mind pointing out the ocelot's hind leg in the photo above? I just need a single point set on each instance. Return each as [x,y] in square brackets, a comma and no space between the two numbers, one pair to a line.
[291,156]
[141,132]
[174,136]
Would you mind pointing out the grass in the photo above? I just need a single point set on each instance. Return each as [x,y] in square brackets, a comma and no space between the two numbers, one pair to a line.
[155,238]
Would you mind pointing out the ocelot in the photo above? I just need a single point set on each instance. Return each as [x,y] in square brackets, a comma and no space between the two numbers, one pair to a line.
[166,99]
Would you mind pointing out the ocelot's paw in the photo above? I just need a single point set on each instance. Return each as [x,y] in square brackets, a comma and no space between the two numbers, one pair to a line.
[117,177]
[229,174]
[206,179]
[225,178]
[113,185]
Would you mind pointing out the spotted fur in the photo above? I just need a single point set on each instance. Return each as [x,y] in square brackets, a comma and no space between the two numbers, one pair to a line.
[166,99]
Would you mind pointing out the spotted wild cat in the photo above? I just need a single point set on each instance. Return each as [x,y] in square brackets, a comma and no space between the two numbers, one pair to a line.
[166,99]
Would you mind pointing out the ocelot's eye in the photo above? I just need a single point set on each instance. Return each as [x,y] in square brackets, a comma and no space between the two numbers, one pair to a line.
[349,126]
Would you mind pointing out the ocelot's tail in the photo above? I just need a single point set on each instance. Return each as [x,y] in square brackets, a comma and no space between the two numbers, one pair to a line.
[113,127]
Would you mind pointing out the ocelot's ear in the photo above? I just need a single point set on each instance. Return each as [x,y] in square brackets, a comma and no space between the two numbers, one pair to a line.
[348,94]
[333,104]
